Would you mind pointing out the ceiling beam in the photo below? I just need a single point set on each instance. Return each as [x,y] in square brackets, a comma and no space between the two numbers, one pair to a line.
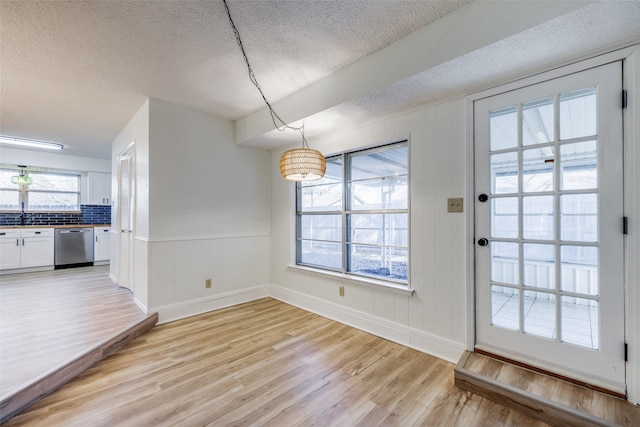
[465,30]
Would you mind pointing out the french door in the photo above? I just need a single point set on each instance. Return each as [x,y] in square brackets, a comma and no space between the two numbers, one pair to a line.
[549,238]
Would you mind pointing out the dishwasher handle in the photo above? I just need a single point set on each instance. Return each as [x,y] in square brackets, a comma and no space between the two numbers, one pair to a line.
[86,230]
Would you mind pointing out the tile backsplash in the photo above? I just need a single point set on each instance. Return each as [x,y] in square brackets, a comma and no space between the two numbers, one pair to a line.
[89,214]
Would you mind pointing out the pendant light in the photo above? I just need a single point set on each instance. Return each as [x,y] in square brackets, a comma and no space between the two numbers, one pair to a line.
[298,164]
[21,179]
[302,164]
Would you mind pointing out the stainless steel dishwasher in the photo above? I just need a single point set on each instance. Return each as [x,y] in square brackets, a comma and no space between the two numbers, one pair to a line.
[73,246]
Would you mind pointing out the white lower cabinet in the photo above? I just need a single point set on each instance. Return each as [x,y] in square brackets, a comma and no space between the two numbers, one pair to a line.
[102,245]
[9,249]
[26,248]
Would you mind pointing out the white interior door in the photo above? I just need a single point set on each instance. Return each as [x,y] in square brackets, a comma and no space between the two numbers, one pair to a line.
[549,238]
[126,208]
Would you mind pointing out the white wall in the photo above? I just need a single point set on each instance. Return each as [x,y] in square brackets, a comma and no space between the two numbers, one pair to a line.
[209,213]
[56,160]
[201,182]
[434,319]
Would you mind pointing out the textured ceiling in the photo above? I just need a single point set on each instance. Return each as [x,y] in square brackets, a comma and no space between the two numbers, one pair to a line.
[76,71]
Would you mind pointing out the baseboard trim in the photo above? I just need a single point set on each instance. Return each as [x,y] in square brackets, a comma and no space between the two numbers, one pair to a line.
[140,305]
[26,270]
[181,310]
[442,348]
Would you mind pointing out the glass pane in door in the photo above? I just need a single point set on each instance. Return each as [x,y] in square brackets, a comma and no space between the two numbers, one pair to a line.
[580,321]
[537,121]
[504,128]
[578,113]
[579,166]
[505,217]
[537,217]
[540,314]
[505,307]
[579,218]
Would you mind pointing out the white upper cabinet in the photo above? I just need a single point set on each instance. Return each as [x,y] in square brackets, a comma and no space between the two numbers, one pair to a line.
[99,188]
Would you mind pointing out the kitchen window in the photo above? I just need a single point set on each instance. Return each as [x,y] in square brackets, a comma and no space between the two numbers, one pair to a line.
[355,220]
[47,192]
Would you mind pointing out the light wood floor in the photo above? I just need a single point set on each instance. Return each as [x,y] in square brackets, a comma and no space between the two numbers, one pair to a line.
[265,363]
[49,318]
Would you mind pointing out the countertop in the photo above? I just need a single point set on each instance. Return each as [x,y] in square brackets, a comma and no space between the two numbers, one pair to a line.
[55,226]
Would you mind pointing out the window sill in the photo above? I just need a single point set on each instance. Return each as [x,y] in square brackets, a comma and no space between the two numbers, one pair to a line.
[377,284]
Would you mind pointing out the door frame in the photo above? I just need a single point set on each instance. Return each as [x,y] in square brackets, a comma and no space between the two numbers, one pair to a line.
[129,151]
[630,55]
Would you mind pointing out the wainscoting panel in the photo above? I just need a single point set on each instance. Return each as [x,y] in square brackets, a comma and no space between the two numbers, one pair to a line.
[179,270]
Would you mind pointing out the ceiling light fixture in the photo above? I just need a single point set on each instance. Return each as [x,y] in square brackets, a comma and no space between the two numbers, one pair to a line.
[30,143]
[21,179]
[298,164]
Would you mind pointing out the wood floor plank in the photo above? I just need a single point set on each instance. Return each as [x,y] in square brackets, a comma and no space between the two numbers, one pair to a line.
[55,325]
[47,319]
[270,364]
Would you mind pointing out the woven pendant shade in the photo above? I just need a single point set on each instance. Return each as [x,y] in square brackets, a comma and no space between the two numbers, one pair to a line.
[302,164]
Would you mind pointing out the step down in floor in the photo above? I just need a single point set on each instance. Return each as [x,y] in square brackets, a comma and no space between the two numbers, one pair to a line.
[551,400]
[49,382]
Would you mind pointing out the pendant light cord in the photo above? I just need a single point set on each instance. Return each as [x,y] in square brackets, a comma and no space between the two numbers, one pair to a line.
[274,116]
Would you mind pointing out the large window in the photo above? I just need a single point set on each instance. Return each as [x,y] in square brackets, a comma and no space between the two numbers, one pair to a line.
[48,191]
[355,220]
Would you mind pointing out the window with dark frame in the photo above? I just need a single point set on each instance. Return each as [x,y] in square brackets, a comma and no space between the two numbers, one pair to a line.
[355,220]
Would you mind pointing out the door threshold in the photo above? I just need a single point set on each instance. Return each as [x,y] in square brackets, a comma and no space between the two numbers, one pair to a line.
[551,374]
[548,399]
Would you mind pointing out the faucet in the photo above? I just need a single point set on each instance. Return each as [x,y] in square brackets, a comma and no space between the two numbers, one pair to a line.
[23,216]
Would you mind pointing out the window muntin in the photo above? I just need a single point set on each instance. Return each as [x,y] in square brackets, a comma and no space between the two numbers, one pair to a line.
[326,194]
[356,219]
[48,192]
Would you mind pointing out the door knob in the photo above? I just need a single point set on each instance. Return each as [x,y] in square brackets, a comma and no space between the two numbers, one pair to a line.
[483,198]
[483,242]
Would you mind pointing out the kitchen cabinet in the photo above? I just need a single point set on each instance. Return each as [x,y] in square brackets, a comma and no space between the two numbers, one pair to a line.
[9,249]
[99,188]
[37,247]
[26,248]
[102,245]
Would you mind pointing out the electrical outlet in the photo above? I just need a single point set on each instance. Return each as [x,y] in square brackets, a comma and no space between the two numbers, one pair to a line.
[341,291]
[455,204]
[207,283]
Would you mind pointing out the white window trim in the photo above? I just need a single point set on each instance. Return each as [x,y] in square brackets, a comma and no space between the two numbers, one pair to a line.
[358,280]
